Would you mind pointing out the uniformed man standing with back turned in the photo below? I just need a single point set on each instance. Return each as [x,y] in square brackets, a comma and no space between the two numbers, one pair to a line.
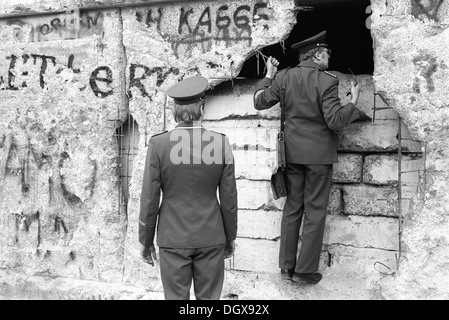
[196,231]
[312,109]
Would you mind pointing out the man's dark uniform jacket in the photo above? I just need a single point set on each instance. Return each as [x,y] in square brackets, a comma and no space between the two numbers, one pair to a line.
[190,215]
[312,110]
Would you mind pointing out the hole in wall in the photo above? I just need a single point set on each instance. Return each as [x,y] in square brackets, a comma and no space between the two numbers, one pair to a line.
[347,35]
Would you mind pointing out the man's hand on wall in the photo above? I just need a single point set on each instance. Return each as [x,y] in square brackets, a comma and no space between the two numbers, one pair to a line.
[272,67]
[355,92]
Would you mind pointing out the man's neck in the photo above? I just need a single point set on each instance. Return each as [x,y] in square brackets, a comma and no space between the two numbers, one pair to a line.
[320,63]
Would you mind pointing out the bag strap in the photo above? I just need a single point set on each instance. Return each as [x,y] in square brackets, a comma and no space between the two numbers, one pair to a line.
[282,97]
[281,139]
[282,119]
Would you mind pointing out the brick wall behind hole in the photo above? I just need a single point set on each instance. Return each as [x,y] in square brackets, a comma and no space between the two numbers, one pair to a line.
[363,200]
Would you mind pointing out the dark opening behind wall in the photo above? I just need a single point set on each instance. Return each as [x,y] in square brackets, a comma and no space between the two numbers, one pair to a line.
[347,35]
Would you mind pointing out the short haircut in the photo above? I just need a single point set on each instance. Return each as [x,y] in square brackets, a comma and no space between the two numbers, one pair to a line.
[188,113]
[308,55]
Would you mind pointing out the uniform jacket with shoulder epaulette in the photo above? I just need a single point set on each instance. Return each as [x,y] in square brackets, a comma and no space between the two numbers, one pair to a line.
[188,165]
[312,109]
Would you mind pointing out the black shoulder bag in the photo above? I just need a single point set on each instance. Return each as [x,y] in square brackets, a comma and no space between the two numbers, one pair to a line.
[278,177]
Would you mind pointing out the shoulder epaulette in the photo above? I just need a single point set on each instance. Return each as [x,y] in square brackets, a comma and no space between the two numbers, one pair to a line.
[331,74]
[157,134]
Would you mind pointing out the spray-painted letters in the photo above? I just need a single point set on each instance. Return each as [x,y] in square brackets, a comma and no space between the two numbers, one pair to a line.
[99,80]
[200,27]
[55,27]
[426,66]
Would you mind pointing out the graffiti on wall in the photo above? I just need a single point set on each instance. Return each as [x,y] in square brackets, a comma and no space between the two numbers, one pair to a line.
[426,65]
[200,27]
[40,178]
[20,161]
[139,72]
[427,9]
[186,29]
[100,80]
[55,27]
[34,227]
[24,162]
[194,28]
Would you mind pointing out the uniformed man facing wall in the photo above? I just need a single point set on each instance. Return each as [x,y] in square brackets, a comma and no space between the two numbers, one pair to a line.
[196,231]
[312,110]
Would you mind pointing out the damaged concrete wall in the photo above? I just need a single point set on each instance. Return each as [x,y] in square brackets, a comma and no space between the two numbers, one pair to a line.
[58,191]
[177,41]
[411,68]
[66,90]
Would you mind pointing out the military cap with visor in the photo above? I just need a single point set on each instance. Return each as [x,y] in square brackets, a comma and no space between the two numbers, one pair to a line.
[189,90]
[318,40]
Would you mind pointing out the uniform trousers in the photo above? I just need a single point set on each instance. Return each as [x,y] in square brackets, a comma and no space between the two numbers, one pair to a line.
[205,266]
[308,189]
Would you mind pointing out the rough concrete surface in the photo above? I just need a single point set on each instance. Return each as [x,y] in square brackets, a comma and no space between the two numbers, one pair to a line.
[237,286]
[411,69]
[66,89]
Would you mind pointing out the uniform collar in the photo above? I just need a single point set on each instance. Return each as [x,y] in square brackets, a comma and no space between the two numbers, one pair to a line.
[309,64]
[192,125]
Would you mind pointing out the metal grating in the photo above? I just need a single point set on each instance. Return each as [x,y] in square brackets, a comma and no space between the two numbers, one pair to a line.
[421,173]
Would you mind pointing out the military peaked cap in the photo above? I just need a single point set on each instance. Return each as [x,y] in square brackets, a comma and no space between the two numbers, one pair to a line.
[316,41]
[189,90]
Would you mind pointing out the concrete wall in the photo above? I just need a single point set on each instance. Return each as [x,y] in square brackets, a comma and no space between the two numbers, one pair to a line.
[66,88]
[59,189]
[411,67]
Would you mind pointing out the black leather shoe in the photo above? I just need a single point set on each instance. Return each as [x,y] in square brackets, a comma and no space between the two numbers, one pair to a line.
[310,278]
[287,274]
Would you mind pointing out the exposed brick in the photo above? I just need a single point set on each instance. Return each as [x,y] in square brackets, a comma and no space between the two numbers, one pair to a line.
[257,195]
[383,169]
[362,232]
[259,224]
[255,255]
[254,164]
[335,205]
[248,133]
[258,255]
[369,200]
[348,169]
[361,262]
[380,136]
[380,169]
[366,97]
[227,101]
[261,197]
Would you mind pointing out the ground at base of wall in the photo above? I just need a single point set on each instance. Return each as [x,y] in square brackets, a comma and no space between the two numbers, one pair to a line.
[237,286]
[269,286]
